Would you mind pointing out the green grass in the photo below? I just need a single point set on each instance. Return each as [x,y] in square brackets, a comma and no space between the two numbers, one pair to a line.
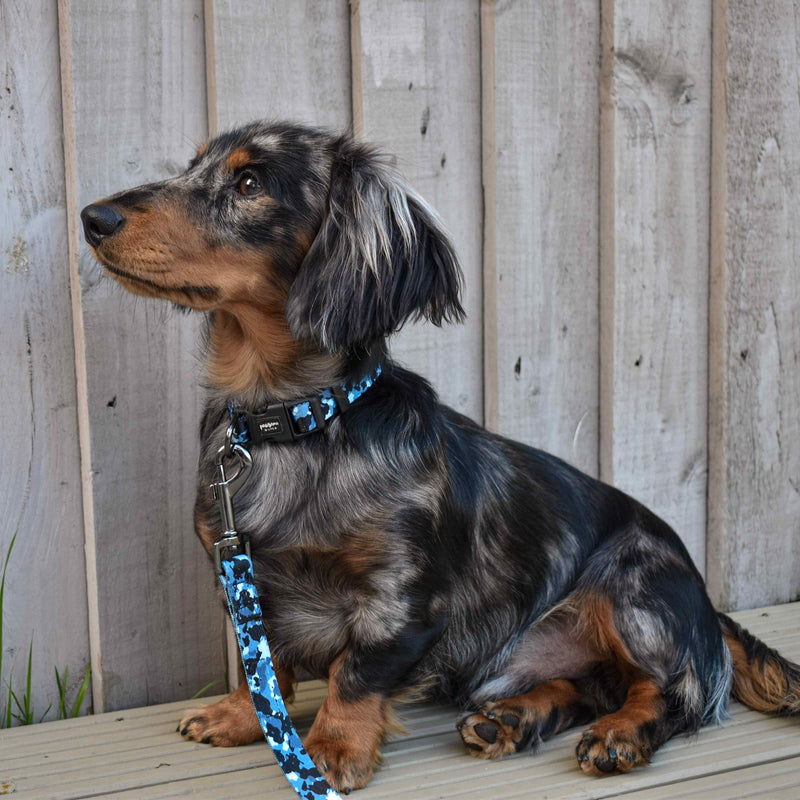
[61,682]
[7,716]
[21,708]
[24,712]
[201,692]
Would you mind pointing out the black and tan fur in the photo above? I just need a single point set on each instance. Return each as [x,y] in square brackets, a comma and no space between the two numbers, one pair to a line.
[407,550]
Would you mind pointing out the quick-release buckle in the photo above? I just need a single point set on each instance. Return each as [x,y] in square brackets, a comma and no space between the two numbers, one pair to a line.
[276,423]
[272,424]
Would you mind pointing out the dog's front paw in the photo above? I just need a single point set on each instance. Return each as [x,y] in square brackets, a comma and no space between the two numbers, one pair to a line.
[229,723]
[210,725]
[346,765]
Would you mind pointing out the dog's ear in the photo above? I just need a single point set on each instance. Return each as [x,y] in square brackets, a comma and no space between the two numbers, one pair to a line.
[380,258]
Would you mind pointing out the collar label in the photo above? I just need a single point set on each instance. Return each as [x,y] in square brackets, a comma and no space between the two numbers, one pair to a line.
[270,426]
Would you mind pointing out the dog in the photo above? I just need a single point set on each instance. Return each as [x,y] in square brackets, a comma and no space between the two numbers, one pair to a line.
[402,550]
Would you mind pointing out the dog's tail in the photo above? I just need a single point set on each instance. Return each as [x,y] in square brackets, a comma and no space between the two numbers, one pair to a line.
[762,678]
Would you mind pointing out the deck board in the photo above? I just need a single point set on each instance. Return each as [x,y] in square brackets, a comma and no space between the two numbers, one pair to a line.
[137,754]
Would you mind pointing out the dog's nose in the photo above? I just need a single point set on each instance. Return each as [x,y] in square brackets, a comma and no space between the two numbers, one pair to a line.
[100,222]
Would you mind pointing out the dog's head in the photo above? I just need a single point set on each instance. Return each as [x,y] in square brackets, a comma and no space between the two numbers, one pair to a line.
[310,226]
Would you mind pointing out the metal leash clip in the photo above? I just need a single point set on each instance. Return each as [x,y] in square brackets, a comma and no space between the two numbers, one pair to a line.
[223,490]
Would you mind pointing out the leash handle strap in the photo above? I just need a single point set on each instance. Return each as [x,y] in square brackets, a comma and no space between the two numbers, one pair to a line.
[245,609]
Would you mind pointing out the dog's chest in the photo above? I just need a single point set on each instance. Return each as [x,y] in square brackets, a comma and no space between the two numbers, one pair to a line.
[328,574]
[316,603]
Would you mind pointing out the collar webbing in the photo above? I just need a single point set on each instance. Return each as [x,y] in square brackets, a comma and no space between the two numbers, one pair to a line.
[295,419]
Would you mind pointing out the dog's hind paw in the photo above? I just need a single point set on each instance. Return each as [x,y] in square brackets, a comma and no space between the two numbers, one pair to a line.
[493,735]
[602,751]
[508,726]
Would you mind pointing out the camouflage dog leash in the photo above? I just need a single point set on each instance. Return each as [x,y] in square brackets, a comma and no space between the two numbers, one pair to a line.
[235,569]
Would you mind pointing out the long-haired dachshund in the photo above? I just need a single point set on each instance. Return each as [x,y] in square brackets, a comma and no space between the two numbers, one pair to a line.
[400,549]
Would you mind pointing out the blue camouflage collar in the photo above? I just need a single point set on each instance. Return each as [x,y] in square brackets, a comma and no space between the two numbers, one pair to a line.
[295,419]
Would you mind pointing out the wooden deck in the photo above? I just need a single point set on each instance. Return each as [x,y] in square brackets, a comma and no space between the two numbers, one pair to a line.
[137,754]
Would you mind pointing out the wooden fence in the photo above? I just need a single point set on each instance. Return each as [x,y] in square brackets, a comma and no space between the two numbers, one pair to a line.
[622,180]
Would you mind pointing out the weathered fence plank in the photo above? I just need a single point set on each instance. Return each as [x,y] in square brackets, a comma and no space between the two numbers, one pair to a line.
[420,94]
[283,59]
[40,493]
[139,92]
[545,378]
[654,245]
[754,491]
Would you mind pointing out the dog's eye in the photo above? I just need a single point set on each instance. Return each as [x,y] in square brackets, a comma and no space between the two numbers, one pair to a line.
[249,185]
